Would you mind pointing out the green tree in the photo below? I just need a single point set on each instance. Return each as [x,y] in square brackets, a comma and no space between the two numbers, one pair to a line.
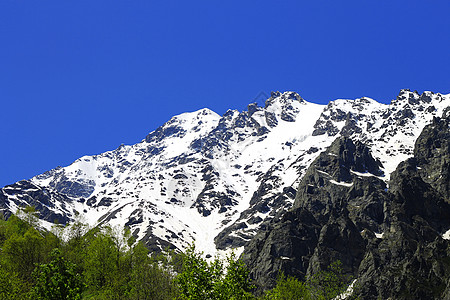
[101,262]
[197,277]
[202,280]
[21,248]
[150,278]
[57,280]
[79,238]
[288,288]
[324,285]
[22,252]
[12,287]
[14,225]
[29,215]
[235,283]
[328,284]
[107,264]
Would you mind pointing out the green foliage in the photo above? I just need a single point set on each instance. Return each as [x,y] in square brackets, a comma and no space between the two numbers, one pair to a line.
[20,252]
[115,269]
[57,280]
[236,282]
[288,288]
[22,247]
[14,225]
[12,287]
[197,278]
[202,280]
[101,262]
[324,285]
[150,278]
[75,248]
[107,263]
[328,284]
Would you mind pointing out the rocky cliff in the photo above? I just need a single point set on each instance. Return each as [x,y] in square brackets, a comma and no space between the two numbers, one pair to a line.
[392,237]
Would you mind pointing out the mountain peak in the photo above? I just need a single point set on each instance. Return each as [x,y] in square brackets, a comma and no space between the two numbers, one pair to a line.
[183,123]
[283,98]
[216,179]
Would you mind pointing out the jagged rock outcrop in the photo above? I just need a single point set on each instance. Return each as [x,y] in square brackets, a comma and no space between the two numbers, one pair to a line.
[338,194]
[388,237]
[432,151]
[50,205]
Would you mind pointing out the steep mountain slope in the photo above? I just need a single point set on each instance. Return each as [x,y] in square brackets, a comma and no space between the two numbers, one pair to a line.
[393,238]
[217,180]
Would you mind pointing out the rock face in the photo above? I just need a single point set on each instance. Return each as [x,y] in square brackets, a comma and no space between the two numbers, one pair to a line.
[339,191]
[52,206]
[388,237]
[433,152]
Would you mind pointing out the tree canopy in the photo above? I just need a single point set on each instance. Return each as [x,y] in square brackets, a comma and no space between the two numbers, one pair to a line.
[108,263]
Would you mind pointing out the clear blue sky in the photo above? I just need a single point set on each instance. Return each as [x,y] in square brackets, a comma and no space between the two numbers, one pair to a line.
[81,77]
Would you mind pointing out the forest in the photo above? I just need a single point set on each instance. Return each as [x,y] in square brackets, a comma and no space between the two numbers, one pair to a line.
[78,262]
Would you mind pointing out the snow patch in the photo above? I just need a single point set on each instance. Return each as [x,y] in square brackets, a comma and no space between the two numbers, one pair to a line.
[348,292]
[346,184]
[446,235]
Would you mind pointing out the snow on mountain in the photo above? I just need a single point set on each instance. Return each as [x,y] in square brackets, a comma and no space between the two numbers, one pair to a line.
[215,179]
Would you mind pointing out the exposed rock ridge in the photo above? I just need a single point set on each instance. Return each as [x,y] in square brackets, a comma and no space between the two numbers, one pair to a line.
[389,238]
[218,180]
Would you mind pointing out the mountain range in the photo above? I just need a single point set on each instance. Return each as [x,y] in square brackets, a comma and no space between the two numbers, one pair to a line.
[292,185]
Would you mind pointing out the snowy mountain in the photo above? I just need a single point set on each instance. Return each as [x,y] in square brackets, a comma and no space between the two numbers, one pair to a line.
[216,180]
[391,238]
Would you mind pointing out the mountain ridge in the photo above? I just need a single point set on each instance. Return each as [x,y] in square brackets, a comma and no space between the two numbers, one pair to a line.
[391,237]
[214,179]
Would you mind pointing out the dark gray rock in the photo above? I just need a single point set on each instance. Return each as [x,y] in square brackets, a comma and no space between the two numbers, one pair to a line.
[252,108]
[262,201]
[78,188]
[25,193]
[322,127]
[165,131]
[271,119]
[388,239]
[432,151]
[286,246]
